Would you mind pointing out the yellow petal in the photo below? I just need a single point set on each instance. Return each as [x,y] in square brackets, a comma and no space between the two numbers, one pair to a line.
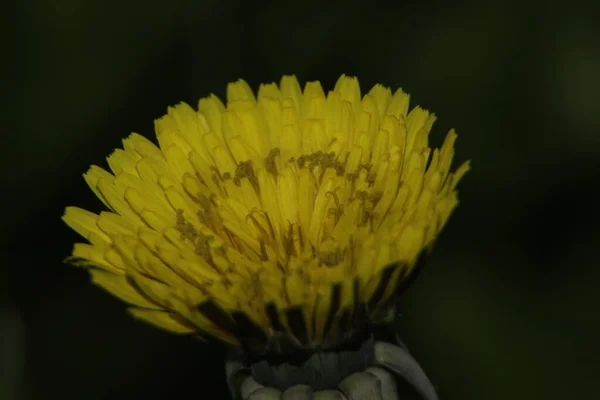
[349,88]
[239,91]
[399,105]
[118,286]
[382,96]
[84,223]
[290,89]
[123,161]
[212,108]
[136,143]
[92,177]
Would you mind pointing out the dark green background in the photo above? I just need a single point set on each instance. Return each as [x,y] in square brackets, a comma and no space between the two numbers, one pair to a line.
[507,307]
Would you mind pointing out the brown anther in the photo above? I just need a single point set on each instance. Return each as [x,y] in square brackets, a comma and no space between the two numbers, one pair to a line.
[328,161]
[301,161]
[245,170]
[202,247]
[316,159]
[186,229]
[366,166]
[330,258]
[204,201]
[368,217]
[371,177]
[270,163]
[221,251]
[179,216]
[373,215]
[206,215]
[361,194]
[374,197]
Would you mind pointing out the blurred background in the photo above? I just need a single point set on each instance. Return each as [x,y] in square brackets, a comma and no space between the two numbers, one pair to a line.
[507,307]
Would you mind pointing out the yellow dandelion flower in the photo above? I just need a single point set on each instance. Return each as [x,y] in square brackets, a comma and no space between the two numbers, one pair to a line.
[290,214]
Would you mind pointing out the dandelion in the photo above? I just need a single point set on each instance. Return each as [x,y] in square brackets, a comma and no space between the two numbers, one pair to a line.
[283,223]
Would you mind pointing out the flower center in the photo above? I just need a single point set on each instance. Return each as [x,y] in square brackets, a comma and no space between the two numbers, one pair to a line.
[309,196]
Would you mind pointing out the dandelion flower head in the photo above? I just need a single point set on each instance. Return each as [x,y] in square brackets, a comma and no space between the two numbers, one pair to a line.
[293,213]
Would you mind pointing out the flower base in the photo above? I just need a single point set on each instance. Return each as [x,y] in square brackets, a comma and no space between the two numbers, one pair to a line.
[371,369]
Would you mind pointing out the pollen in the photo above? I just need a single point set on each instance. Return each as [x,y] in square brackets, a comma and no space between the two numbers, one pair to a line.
[286,212]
